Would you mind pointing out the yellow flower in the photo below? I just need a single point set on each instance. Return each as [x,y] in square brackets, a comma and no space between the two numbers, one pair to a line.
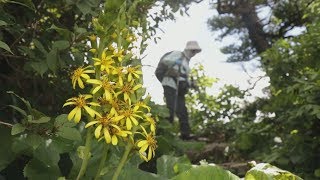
[130,116]
[119,72]
[127,89]
[118,53]
[80,103]
[105,62]
[147,146]
[80,73]
[133,73]
[108,86]
[140,104]
[108,125]
[93,37]
[130,38]
[115,132]
[115,105]
[151,121]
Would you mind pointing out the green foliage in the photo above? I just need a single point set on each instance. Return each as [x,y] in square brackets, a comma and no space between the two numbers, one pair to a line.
[266,171]
[41,42]
[206,172]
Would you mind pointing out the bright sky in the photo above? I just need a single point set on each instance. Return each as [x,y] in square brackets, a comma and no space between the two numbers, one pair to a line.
[194,27]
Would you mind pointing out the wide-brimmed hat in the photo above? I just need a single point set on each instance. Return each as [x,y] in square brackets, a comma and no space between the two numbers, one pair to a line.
[193,45]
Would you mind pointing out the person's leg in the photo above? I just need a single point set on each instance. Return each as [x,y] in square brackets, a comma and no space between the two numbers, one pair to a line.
[170,95]
[182,114]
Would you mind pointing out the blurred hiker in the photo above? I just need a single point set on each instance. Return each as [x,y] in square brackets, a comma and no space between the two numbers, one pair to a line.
[173,73]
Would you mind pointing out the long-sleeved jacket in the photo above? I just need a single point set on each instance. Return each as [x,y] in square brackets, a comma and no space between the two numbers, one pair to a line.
[178,66]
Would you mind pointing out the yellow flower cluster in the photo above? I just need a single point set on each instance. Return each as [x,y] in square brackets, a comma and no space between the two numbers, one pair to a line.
[118,113]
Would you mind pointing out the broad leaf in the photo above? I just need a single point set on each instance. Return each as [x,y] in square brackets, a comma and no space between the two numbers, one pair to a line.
[47,153]
[52,60]
[69,133]
[6,155]
[36,170]
[39,67]
[38,44]
[265,171]
[4,46]
[41,120]
[206,172]
[62,120]
[61,45]
[17,128]
[166,164]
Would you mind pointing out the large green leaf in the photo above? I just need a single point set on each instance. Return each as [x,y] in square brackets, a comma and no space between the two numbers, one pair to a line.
[37,170]
[26,3]
[47,153]
[26,143]
[62,120]
[43,119]
[63,32]
[265,171]
[166,164]
[39,67]
[131,172]
[4,46]
[52,60]
[6,155]
[17,128]
[69,133]
[61,45]
[206,172]
[39,45]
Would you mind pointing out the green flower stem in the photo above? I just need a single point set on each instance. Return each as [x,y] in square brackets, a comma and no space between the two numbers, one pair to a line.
[103,160]
[86,154]
[122,161]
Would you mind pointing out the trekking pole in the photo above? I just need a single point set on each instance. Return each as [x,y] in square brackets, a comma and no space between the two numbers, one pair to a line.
[177,93]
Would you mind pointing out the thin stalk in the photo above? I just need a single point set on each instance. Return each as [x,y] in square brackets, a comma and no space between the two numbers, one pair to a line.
[122,161]
[103,160]
[86,154]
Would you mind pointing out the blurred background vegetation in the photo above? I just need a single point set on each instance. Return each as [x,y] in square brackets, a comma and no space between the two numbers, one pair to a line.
[42,41]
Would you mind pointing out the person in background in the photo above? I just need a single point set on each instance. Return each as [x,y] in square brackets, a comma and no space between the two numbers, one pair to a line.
[173,73]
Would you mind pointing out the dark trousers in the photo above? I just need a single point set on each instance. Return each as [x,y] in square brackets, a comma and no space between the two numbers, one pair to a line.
[181,109]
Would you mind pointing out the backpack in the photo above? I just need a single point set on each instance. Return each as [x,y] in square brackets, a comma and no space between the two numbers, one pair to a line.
[162,68]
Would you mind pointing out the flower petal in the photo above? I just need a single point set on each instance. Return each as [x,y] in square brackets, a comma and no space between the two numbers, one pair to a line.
[134,120]
[86,76]
[141,143]
[106,135]
[77,116]
[130,77]
[114,140]
[97,132]
[96,89]
[68,103]
[137,87]
[118,118]
[87,96]
[80,83]
[144,148]
[149,154]
[90,111]
[94,104]
[72,113]
[128,124]
[91,123]
[94,81]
